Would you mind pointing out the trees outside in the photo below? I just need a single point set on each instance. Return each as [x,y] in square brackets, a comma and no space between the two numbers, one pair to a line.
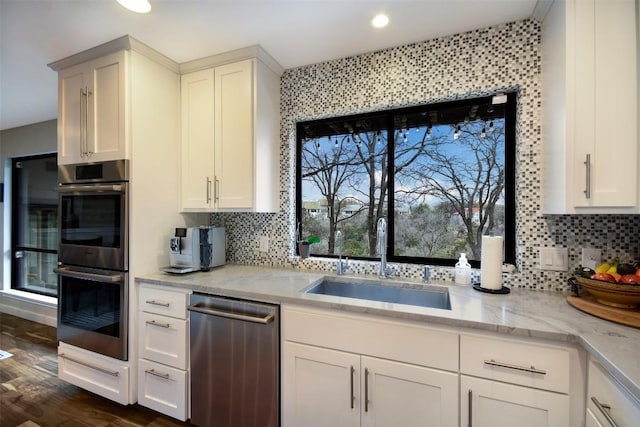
[448,183]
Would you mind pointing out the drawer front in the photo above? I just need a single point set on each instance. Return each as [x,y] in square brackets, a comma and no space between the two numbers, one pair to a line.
[164,339]
[164,301]
[163,389]
[401,341]
[93,373]
[623,408]
[532,365]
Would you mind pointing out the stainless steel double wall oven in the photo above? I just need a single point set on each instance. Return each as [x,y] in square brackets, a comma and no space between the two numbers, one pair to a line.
[93,256]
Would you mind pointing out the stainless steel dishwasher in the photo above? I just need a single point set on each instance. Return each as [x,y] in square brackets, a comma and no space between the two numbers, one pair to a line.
[235,360]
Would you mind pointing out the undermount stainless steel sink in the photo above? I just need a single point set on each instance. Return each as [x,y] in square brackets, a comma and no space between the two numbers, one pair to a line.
[424,297]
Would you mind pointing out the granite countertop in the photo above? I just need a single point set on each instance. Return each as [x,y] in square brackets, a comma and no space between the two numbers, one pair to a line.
[521,313]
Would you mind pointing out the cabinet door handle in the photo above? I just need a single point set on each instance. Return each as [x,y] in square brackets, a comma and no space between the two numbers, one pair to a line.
[157,374]
[587,188]
[470,409]
[89,365]
[366,390]
[216,192]
[208,190]
[83,122]
[532,369]
[605,410]
[162,325]
[352,397]
[160,303]
[86,120]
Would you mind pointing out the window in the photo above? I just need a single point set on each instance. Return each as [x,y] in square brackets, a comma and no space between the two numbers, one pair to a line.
[34,224]
[442,175]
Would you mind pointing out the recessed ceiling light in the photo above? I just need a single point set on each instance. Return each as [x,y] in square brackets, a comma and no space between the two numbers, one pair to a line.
[380,20]
[139,6]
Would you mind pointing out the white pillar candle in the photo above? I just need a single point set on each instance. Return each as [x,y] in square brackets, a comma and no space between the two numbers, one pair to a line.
[491,263]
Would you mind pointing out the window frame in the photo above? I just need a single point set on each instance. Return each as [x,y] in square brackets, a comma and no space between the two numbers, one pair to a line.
[510,144]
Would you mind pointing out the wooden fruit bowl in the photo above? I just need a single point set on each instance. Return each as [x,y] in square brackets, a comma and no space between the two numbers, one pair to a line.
[612,294]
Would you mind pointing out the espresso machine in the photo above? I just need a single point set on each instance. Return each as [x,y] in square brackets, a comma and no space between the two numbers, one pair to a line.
[196,249]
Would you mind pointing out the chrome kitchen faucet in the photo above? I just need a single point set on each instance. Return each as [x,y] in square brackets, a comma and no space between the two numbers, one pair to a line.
[340,266]
[382,248]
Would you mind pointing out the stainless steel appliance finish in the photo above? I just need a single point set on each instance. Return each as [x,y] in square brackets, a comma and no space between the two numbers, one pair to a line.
[93,255]
[235,359]
[196,248]
[433,298]
[94,215]
[93,310]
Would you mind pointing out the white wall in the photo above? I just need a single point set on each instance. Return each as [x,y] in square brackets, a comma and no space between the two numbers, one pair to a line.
[38,138]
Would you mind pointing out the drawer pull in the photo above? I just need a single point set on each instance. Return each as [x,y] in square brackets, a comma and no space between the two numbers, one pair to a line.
[157,374]
[532,369]
[160,303]
[89,365]
[162,325]
[605,410]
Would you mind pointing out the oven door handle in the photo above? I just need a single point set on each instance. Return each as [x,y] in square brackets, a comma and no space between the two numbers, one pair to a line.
[105,278]
[92,188]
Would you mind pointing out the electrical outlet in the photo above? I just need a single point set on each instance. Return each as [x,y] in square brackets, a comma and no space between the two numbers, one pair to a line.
[554,259]
[264,244]
[591,257]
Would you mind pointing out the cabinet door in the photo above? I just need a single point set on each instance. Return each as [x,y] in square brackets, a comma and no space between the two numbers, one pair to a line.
[197,140]
[91,124]
[320,387]
[106,113]
[606,112]
[71,111]
[593,421]
[608,399]
[487,403]
[398,394]
[234,135]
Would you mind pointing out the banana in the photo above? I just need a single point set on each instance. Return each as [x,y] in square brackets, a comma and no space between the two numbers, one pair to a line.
[614,267]
[602,268]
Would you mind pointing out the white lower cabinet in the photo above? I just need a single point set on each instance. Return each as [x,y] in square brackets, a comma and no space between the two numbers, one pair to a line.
[488,403]
[398,394]
[346,369]
[608,402]
[163,347]
[319,386]
[98,374]
[509,381]
[366,372]
[326,387]
[162,388]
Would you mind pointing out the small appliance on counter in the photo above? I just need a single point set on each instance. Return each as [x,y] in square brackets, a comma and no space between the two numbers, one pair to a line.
[196,249]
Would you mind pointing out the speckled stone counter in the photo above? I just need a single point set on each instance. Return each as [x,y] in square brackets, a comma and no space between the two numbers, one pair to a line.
[521,313]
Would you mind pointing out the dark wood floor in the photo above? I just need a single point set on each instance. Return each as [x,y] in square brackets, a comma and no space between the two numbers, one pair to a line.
[31,394]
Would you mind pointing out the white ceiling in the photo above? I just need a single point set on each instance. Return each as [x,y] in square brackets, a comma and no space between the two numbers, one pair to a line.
[34,33]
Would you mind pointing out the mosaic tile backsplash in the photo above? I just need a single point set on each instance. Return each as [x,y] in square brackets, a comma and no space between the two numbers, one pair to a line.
[476,63]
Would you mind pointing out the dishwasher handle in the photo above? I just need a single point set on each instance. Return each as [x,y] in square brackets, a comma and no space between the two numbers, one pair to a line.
[262,320]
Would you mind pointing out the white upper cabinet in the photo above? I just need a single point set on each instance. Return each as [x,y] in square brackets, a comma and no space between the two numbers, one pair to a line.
[230,138]
[590,107]
[197,170]
[91,105]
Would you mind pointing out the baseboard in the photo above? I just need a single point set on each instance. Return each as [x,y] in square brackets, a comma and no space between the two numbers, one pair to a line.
[36,311]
